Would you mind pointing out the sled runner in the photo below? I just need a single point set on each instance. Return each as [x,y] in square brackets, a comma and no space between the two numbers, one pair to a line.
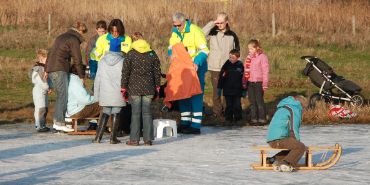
[308,158]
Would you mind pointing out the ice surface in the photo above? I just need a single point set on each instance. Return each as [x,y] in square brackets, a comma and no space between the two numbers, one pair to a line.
[220,155]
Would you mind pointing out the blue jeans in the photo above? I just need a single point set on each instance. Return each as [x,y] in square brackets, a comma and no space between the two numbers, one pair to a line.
[60,82]
[93,64]
[111,110]
[141,108]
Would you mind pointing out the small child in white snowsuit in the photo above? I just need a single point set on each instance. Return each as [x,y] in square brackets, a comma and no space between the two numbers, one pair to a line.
[40,91]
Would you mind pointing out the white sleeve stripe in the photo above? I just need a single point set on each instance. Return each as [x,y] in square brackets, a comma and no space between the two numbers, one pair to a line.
[96,54]
[202,47]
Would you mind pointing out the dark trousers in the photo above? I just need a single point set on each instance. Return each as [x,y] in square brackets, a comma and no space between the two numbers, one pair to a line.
[125,120]
[233,108]
[255,97]
[218,104]
[295,153]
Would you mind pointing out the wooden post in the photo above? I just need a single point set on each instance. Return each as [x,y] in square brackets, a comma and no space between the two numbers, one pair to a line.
[354,25]
[49,23]
[273,25]
[122,16]
[195,18]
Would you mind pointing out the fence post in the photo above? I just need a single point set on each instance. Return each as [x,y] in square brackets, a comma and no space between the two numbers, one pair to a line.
[354,25]
[273,25]
[49,23]
[122,16]
[195,18]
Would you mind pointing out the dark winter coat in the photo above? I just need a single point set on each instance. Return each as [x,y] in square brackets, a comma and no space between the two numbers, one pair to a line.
[141,73]
[230,79]
[66,46]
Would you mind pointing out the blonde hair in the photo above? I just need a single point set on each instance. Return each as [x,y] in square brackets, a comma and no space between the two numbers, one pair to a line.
[80,26]
[226,17]
[256,44]
[136,36]
[40,54]
[301,99]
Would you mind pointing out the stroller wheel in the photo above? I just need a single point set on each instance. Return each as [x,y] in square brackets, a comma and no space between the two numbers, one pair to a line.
[359,100]
[315,99]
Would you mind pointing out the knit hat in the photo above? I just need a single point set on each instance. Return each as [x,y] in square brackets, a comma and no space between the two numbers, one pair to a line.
[115,45]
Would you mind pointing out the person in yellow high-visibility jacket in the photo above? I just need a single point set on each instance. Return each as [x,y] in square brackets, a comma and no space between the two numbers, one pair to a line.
[195,43]
[115,30]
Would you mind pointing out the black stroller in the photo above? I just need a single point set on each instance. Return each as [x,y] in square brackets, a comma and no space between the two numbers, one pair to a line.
[323,76]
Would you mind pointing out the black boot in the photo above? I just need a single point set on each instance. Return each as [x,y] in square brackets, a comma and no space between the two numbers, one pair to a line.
[190,130]
[181,128]
[113,133]
[102,124]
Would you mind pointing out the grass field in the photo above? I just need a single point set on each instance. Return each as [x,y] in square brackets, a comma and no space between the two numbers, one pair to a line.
[322,29]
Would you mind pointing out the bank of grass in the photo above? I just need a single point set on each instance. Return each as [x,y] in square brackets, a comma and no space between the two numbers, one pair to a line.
[16,104]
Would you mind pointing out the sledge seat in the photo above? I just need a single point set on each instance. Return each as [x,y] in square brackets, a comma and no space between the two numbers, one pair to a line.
[308,158]
[81,132]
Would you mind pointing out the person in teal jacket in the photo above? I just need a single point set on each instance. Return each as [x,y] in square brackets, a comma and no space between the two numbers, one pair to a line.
[80,103]
[283,133]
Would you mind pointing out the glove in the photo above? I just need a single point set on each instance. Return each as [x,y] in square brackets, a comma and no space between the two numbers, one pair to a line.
[219,92]
[244,94]
[156,95]
[124,94]
[264,88]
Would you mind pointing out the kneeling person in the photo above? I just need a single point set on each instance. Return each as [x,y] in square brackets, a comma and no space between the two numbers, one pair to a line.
[283,133]
[80,103]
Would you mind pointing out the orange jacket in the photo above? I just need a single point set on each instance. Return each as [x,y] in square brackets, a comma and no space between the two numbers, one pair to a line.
[182,79]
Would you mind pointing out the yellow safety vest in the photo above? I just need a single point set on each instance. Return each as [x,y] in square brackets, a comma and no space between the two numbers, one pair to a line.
[103,43]
[192,37]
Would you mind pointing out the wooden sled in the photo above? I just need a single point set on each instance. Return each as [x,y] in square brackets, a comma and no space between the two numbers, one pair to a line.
[81,132]
[308,159]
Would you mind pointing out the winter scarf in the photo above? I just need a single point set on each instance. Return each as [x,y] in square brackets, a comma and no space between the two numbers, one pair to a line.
[248,65]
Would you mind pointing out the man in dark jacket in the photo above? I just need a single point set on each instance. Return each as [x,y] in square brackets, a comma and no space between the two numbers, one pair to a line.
[230,80]
[66,46]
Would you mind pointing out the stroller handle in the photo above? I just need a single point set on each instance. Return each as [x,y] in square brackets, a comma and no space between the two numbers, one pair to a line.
[307,57]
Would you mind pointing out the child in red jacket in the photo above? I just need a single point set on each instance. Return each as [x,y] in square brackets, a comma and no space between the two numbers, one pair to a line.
[256,74]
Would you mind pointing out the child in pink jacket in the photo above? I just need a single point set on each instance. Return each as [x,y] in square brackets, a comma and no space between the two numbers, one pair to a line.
[256,78]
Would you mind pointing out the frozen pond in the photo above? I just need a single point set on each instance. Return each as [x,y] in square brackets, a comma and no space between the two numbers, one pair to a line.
[220,155]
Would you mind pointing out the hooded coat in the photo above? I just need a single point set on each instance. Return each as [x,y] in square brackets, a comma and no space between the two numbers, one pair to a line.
[107,90]
[278,128]
[78,95]
[39,92]
[141,73]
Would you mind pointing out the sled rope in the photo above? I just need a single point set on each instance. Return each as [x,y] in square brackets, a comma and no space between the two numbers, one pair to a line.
[323,156]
